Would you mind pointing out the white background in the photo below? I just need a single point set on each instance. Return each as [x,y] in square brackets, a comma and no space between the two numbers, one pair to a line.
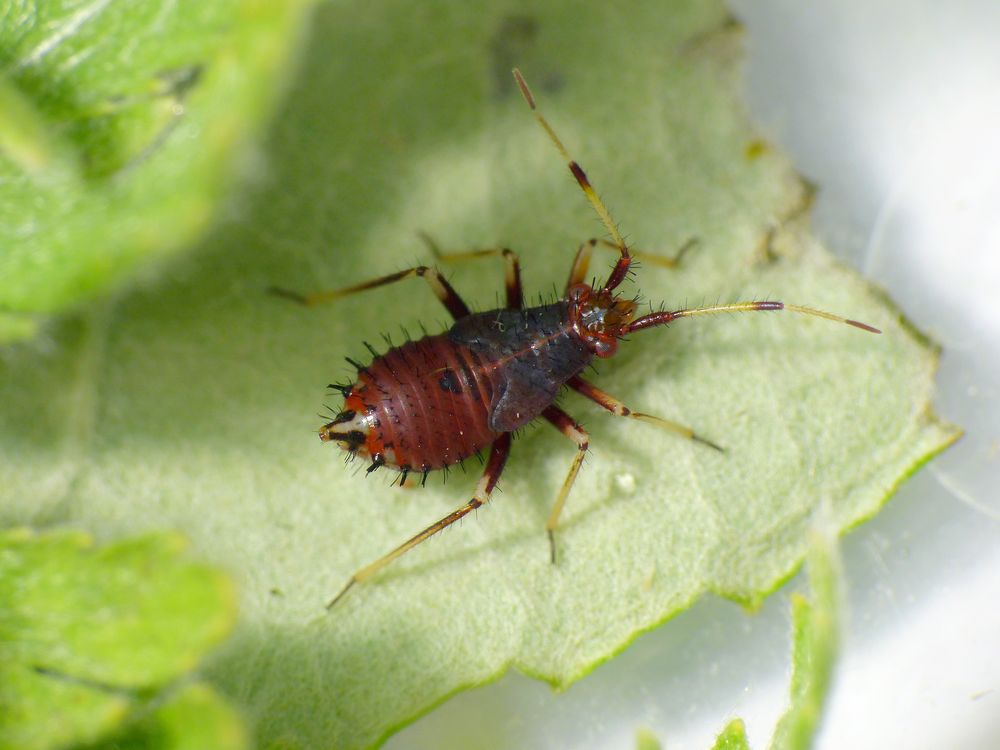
[892,107]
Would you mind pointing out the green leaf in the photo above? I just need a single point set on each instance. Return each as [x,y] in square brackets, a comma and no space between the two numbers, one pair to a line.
[733,737]
[646,740]
[191,402]
[193,719]
[85,632]
[816,639]
[119,123]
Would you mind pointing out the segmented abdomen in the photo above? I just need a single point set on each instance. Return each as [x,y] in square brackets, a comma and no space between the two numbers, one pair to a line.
[430,402]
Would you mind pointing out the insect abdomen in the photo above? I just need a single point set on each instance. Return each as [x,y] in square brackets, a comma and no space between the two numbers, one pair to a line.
[432,403]
[426,405]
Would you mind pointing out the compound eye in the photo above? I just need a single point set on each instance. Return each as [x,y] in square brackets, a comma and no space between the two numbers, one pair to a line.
[605,347]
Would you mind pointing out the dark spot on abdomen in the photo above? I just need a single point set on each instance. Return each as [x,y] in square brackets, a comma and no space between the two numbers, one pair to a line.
[449,382]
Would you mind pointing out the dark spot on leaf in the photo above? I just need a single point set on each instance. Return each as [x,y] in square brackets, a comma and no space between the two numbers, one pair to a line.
[509,46]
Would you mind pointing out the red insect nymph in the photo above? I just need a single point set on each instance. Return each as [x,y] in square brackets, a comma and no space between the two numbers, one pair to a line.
[431,403]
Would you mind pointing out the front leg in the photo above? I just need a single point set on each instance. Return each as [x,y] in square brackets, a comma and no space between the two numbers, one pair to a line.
[578,271]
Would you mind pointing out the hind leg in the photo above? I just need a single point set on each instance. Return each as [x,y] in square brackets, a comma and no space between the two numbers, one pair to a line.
[491,474]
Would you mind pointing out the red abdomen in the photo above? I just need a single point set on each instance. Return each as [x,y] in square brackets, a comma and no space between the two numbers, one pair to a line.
[423,405]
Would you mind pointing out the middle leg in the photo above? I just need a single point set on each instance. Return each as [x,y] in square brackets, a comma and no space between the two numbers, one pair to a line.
[512,280]
[568,427]
[438,284]
[619,409]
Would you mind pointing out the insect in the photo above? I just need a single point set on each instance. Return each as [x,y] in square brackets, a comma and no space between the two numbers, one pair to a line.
[431,403]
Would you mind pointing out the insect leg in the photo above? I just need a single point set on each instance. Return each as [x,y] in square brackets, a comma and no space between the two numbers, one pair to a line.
[438,284]
[624,261]
[512,281]
[568,427]
[619,409]
[578,272]
[491,474]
